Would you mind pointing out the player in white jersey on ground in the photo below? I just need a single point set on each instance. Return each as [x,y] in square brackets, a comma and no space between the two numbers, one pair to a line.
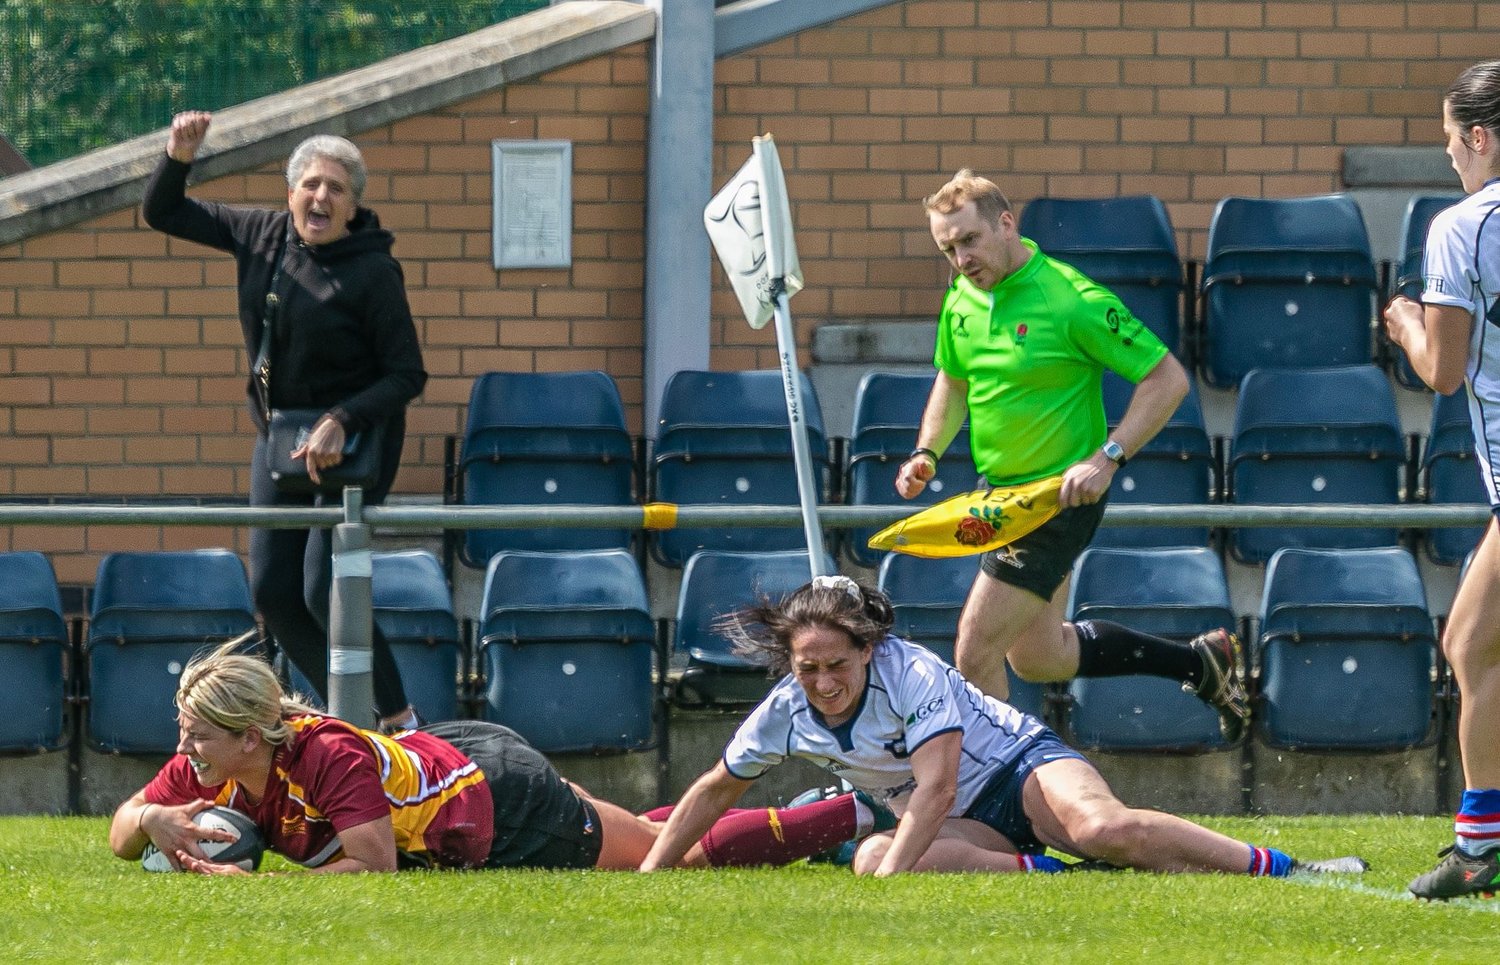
[1452,337]
[978,785]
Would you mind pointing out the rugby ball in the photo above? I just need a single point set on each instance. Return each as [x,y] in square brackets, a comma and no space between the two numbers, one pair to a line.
[245,851]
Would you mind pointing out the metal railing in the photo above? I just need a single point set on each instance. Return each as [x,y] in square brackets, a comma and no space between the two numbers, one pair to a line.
[350,681]
[404,518]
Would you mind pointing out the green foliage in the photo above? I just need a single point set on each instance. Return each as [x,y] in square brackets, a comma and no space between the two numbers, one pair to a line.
[67,899]
[81,74]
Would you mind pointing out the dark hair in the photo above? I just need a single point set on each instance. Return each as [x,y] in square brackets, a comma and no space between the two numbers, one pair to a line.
[764,632]
[1474,99]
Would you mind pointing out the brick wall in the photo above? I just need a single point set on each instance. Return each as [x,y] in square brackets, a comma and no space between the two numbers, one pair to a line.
[1190,101]
[121,368]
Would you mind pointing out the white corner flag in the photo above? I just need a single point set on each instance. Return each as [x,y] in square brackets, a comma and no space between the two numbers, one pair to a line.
[750,224]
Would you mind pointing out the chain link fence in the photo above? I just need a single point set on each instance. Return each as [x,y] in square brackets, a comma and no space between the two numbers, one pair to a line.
[78,75]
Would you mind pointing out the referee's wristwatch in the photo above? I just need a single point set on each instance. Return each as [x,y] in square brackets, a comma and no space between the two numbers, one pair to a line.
[1114,452]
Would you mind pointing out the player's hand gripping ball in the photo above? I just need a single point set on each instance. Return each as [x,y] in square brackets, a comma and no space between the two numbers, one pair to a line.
[244,852]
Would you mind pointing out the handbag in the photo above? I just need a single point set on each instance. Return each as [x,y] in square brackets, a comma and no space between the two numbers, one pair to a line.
[289,428]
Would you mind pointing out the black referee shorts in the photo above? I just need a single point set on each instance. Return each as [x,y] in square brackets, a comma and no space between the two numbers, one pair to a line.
[1039,561]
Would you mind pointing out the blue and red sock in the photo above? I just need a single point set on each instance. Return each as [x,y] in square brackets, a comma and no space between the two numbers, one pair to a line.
[1041,863]
[1269,862]
[1476,827]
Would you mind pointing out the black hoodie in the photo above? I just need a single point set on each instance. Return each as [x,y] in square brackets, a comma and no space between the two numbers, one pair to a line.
[344,340]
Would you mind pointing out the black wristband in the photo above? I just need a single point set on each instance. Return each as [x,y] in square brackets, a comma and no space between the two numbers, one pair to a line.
[924,451]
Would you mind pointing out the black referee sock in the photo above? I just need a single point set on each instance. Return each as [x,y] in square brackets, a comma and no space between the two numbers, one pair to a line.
[1107,649]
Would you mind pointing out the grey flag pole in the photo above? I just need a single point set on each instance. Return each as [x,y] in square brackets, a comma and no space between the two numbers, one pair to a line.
[807,485]
[772,201]
[351,678]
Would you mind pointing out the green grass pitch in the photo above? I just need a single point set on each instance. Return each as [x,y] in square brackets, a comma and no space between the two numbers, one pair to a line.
[64,898]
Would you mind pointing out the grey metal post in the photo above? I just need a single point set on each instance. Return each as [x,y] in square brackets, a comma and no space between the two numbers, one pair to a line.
[351,680]
[679,175]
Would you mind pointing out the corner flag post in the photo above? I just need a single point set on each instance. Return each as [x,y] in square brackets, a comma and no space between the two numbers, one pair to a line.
[750,224]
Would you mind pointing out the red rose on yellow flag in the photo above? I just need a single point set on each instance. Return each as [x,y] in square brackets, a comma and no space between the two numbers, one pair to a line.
[973,531]
[974,522]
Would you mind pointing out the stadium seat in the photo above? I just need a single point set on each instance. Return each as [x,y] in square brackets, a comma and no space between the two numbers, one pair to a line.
[1451,474]
[927,597]
[724,440]
[716,583]
[1419,212]
[541,439]
[1176,593]
[887,410]
[33,655]
[1175,466]
[1125,244]
[566,645]
[1314,436]
[413,608]
[1287,283]
[1347,651]
[151,613]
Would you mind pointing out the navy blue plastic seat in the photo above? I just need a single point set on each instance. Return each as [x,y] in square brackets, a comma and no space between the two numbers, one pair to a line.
[33,655]
[1175,466]
[414,610]
[1419,212]
[1315,436]
[927,597]
[1125,244]
[567,646]
[1347,651]
[724,440]
[716,583]
[887,410]
[1452,476]
[1287,283]
[540,439]
[1176,593]
[151,613]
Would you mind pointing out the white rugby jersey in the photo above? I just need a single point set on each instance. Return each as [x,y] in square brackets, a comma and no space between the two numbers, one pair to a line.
[1461,267]
[911,696]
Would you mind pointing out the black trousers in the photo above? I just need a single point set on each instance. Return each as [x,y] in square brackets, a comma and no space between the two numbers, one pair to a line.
[291,573]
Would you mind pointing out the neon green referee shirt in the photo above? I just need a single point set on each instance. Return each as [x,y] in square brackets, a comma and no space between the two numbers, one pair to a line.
[1033,352]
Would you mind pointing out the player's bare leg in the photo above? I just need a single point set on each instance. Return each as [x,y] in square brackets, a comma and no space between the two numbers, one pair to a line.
[961,845]
[1471,642]
[1073,809]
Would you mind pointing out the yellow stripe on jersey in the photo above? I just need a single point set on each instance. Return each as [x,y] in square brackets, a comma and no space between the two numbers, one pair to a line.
[414,795]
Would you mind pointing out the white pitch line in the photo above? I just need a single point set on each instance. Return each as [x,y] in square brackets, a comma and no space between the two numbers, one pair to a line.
[1347,883]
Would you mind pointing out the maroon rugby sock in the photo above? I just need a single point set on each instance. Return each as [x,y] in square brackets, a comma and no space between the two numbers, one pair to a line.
[777,836]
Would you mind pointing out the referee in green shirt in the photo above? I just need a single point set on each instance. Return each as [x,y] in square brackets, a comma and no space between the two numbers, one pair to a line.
[1022,344]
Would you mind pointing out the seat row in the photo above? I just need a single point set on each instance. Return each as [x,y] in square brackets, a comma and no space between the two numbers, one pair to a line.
[1286,282]
[566,650]
[149,613]
[1329,435]
[1343,657]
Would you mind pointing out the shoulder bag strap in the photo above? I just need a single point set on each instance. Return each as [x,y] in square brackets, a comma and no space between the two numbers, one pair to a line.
[262,368]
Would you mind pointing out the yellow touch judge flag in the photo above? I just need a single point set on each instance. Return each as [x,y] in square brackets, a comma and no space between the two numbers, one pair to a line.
[972,523]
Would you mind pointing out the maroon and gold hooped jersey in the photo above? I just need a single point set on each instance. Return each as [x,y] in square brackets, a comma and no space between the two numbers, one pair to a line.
[333,776]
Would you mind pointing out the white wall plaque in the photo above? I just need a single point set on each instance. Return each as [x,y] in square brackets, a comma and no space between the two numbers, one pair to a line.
[533,192]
